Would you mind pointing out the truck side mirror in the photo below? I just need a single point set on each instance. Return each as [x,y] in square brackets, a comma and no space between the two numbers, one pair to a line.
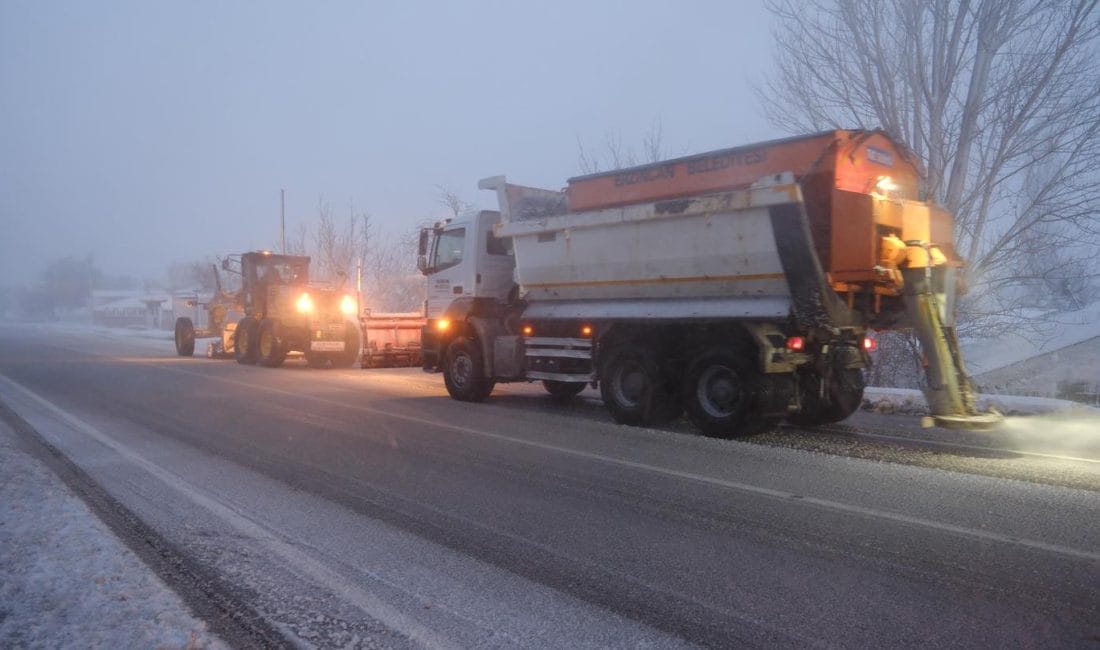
[422,251]
[422,246]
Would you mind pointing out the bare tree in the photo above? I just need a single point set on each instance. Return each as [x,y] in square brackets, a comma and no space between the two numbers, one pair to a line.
[391,281]
[196,274]
[452,200]
[297,244]
[616,155]
[69,281]
[338,247]
[1000,101]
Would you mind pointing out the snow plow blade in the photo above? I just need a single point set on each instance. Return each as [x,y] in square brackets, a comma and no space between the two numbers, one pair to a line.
[952,400]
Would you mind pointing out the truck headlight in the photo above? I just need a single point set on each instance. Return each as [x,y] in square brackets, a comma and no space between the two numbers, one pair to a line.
[305,303]
[347,305]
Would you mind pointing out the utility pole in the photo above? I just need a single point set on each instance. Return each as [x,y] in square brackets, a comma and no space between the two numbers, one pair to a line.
[282,218]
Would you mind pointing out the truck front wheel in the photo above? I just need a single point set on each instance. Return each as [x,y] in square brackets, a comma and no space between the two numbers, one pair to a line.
[718,393]
[633,387]
[464,371]
[185,337]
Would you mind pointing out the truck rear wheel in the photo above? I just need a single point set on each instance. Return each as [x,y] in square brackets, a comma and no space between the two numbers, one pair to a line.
[185,337]
[633,387]
[244,341]
[563,390]
[270,350]
[464,371]
[845,395]
[718,393]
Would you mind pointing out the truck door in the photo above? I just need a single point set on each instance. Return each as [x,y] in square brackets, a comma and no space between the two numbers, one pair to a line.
[450,268]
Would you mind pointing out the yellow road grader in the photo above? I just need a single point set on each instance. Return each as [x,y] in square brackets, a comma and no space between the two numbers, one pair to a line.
[277,312]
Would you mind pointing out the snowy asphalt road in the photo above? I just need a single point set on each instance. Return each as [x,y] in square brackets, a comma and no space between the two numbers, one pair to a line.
[365,508]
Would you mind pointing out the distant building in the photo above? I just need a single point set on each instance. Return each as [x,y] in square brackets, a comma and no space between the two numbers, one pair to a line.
[129,308]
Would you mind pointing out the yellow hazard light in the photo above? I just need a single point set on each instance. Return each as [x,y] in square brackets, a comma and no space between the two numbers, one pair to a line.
[442,324]
[586,330]
[305,303]
[528,330]
[347,305]
[884,185]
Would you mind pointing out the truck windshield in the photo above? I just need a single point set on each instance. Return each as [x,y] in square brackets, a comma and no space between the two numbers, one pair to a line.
[448,248]
[281,272]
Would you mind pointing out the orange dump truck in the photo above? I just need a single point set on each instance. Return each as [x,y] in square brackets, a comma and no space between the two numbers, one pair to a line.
[738,285]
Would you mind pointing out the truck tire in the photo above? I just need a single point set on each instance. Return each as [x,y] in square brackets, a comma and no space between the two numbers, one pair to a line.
[464,371]
[346,359]
[270,349]
[317,359]
[244,341]
[185,337]
[719,393]
[845,397]
[633,387]
[563,390]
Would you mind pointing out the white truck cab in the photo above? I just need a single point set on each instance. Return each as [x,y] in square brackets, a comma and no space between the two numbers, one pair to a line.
[466,260]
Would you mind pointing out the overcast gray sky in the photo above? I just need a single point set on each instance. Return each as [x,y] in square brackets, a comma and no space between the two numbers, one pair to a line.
[150,132]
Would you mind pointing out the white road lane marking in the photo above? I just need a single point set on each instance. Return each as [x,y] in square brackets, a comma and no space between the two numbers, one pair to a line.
[829,504]
[301,562]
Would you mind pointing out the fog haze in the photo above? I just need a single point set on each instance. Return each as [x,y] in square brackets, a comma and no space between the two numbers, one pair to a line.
[146,133]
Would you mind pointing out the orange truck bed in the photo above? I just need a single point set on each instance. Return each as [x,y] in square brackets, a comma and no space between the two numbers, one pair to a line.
[839,172]
[854,159]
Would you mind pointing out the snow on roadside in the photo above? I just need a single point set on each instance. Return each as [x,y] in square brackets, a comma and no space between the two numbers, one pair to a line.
[911,401]
[121,332]
[66,581]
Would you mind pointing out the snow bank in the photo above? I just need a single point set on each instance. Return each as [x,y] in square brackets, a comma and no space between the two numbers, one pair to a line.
[67,582]
[910,401]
